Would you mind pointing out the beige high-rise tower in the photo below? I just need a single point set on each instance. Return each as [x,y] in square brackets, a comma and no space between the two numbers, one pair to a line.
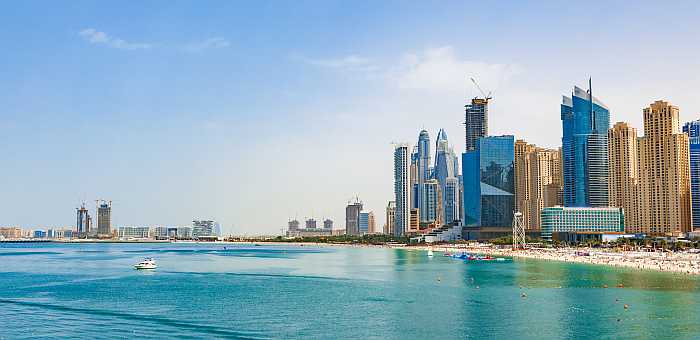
[537,181]
[664,172]
[624,177]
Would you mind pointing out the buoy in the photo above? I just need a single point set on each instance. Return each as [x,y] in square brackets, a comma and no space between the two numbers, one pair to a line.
[605,286]
[477,287]
[523,295]
[627,306]
[620,285]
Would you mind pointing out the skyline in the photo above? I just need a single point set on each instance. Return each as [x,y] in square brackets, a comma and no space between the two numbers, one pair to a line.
[199,123]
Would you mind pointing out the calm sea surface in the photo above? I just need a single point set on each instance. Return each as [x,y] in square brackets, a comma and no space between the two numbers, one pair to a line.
[249,292]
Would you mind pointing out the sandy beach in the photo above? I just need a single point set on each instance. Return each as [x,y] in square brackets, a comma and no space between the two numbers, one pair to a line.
[685,263]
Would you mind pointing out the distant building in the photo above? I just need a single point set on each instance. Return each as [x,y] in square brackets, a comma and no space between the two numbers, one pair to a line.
[328,224]
[183,233]
[11,232]
[203,228]
[133,232]
[104,218]
[692,129]
[402,189]
[422,162]
[664,173]
[366,222]
[433,202]
[581,220]
[624,173]
[414,221]
[446,172]
[39,234]
[390,218]
[293,225]
[83,220]
[488,180]
[311,223]
[352,217]
[585,122]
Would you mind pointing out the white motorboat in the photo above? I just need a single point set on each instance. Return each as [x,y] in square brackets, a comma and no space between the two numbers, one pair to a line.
[147,263]
[430,252]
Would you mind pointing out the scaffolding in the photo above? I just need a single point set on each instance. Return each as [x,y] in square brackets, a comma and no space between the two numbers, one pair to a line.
[518,231]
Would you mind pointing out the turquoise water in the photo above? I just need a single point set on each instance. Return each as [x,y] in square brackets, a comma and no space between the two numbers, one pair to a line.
[249,292]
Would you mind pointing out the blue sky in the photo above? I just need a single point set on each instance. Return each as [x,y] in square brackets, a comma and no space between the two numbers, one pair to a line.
[254,112]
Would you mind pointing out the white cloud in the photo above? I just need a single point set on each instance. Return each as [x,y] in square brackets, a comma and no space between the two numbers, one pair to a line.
[441,70]
[210,43]
[352,63]
[94,36]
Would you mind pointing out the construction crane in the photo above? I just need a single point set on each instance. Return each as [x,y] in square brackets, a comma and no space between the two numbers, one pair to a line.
[487,96]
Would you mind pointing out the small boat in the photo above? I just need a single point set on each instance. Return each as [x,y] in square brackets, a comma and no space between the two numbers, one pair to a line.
[430,252]
[147,263]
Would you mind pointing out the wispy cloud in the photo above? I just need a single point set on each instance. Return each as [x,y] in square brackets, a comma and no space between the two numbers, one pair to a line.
[210,43]
[94,36]
[346,63]
[440,69]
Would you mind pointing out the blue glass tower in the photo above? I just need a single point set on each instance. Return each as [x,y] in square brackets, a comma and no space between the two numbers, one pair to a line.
[423,172]
[445,172]
[585,122]
[692,129]
[489,183]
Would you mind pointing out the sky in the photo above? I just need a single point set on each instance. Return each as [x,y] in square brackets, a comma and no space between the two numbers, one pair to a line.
[255,112]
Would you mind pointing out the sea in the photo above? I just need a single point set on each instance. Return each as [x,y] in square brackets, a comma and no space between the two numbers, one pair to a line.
[247,291]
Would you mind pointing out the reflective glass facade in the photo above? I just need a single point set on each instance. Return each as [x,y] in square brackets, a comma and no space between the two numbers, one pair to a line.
[692,129]
[488,183]
[585,122]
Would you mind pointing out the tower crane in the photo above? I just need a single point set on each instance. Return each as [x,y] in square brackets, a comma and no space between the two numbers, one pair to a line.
[487,96]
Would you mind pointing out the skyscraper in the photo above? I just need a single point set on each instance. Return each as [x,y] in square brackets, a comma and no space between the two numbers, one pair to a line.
[488,180]
[433,202]
[537,179]
[367,222]
[476,121]
[352,217]
[624,178]
[692,129]
[444,171]
[664,172]
[402,189]
[422,161]
[83,220]
[585,122]
[390,218]
[104,218]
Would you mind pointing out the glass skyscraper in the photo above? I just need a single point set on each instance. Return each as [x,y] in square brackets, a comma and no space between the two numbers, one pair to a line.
[445,172]
[692,129]
[488,182]
[422,159]
[585,122]
[402,189]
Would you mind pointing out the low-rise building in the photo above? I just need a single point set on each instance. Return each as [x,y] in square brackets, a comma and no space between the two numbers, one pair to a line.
[11,232]
[134,232]
[559,220]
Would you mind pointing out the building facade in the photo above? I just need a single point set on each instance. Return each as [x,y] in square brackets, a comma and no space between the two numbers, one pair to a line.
[104,218]
[422,160]
[352,217]
[476,122]
[203,228]
[11,232]
[664,172]
[585,122]
[133,232]
[538,181]
[433,203]
[578,219]
[311,223]
[328,224]
[624,174]
[445,172]
[402,189]
[390,218]
[692,129]
[488,183]
[83,220]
